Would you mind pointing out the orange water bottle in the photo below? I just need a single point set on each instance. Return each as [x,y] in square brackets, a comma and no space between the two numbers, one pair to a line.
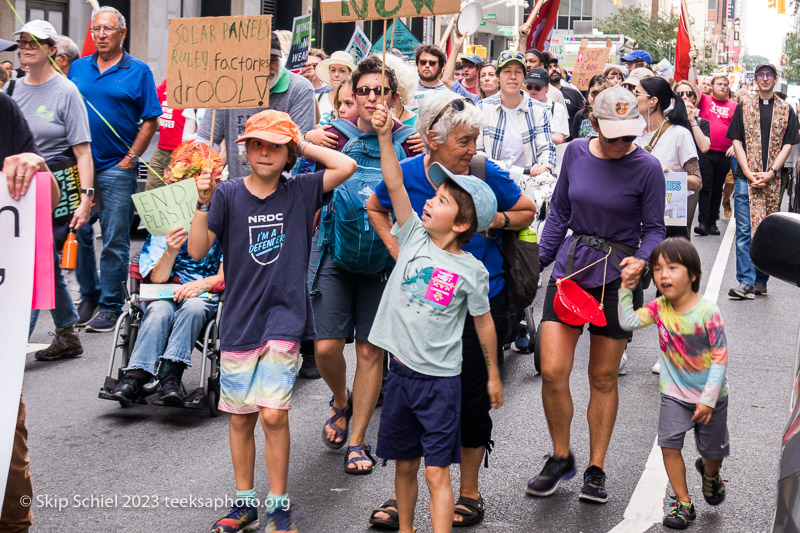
[69,254]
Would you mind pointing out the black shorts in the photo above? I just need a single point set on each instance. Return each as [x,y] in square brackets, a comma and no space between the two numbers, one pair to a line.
[612,329]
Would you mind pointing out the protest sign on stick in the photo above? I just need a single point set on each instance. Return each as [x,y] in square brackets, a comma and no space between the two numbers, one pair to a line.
[350,10]
[301,37]
[164,208]
[359,45]
[219,62]
[590,61]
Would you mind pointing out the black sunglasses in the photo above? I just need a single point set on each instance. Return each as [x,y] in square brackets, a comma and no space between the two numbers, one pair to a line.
[626,139]
[428,62]
[459,105]
[364,90]
[688,94]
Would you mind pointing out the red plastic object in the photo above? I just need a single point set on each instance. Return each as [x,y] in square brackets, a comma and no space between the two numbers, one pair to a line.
[575,306]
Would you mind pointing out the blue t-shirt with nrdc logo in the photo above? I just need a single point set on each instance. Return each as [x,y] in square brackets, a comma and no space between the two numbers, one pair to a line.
[266,245]
[420,189]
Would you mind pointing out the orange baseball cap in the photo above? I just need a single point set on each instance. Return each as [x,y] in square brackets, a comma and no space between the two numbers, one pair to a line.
[271,126]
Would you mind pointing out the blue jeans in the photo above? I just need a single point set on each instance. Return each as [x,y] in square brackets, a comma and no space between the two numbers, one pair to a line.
[64,315]
[745,271]
[116,185]
[169,330]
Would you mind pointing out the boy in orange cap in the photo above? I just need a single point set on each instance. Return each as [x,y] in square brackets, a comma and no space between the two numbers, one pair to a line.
[264,223]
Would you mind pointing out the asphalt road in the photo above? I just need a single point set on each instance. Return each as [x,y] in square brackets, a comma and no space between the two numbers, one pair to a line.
[139,462]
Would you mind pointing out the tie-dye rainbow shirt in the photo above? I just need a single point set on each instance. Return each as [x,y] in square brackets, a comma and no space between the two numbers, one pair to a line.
[694,347]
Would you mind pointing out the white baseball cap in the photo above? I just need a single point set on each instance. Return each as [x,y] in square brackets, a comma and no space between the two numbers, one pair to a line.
[41,29]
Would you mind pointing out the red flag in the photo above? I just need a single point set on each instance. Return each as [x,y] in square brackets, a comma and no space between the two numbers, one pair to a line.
[542,26]
[682,47]
[88,42]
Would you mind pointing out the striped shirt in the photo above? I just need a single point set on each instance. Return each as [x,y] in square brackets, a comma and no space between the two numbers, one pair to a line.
[533,122]
[186,268]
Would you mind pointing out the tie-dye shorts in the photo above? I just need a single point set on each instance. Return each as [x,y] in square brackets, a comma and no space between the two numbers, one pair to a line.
[261,377]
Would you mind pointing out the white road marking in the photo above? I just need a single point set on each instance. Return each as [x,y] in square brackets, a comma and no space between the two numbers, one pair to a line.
[36,347]
[646,506]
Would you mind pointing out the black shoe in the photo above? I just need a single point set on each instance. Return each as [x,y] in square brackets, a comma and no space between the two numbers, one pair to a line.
[128,389]
[308,369]
[713,229]
[171,390]
[554,472]
[103,322]
[702,229]
[594,485]
[86,311]
[713,487]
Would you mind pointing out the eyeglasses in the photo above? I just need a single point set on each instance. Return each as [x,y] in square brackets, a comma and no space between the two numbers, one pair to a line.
[106,29]
[625,139]
[762,75]
[30,45]
[364,90]
[637,93]
[459,104]
[428,62]
[687,94]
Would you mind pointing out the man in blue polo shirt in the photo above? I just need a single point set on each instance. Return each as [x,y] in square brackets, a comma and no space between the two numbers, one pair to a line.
[121,89]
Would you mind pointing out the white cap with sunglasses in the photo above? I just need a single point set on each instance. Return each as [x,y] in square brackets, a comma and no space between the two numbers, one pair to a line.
[41,29]
[617,113]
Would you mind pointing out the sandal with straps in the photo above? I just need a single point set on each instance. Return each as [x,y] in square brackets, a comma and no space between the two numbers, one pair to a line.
[363,451]
[345,413]
[473,512]
[393,522]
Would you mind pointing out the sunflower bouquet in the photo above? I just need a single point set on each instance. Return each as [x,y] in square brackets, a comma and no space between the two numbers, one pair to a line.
[189,159]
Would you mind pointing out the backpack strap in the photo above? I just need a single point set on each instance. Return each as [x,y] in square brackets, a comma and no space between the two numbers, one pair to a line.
[10,87]
[401,134]
[347,128]
[477,167]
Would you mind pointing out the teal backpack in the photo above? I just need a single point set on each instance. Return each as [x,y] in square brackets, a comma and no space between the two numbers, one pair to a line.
[345,230]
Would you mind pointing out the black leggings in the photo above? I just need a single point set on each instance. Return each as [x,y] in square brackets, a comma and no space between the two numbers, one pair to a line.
[714,166]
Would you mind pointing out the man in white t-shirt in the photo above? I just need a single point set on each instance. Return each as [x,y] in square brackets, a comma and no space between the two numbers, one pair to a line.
[536,84]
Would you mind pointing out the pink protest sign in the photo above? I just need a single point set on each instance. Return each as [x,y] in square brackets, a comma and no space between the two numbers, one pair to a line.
[441,287]
[44,290]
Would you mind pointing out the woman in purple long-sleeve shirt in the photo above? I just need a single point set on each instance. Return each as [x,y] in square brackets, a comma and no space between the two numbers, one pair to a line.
[609,192]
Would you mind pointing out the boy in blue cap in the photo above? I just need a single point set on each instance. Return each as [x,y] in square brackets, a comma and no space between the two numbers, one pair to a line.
[420,320]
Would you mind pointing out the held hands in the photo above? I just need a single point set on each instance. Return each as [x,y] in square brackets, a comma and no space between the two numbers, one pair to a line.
[176,237]
[702,414]
[205,186]
[495,388]
[321,137]
[632,268]
[382,121]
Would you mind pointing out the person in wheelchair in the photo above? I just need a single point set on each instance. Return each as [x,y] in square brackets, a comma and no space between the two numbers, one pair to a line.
[170,327]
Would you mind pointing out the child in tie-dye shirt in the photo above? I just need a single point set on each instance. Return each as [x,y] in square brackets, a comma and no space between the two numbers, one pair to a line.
[694,389]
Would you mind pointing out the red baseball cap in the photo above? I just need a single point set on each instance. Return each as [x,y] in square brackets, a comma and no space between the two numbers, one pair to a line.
[271,126]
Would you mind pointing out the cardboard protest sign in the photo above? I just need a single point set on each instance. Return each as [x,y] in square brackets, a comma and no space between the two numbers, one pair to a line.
[301,37]
[219,62]
[164,208]
[404,40]
[17,240]
[350,10]
[675,212]
[359,45]
[590,61]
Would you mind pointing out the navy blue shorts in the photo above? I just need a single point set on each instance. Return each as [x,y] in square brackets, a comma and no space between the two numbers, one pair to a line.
[420,417]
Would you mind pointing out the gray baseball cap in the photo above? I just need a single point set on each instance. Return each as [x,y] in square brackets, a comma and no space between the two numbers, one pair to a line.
[617,112]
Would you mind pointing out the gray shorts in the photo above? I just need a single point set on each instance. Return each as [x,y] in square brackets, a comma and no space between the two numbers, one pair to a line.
[344,303]
[711,439]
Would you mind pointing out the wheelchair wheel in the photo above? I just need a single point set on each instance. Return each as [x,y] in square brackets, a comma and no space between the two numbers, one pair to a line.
[213,400]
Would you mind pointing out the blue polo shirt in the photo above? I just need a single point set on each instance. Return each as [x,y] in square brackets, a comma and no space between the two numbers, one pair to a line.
[125,95]
[420,190]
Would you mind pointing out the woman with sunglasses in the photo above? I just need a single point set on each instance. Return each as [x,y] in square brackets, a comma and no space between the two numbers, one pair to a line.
[668,136]
[58,119]
[610,194]
[518,128]
[701,129]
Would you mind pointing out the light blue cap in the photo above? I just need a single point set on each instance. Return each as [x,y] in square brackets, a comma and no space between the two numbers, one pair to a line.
[482,195]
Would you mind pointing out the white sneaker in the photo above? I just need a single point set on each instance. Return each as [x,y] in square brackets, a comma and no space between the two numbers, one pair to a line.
[656,367]
[623,363]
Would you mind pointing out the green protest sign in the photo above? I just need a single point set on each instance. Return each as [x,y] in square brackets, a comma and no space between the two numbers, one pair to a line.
[164,208]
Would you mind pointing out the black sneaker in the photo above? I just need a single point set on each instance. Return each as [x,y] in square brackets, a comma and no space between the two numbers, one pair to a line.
[594,485]
[171,390]
[743,291]
[128,389]
[308,368]
[103,322]
[713,229]
[713,487]
[701,229]
[679,515]
[554,472]
[86,311]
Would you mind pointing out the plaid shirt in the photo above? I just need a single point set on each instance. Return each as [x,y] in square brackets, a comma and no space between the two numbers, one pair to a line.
[534,123]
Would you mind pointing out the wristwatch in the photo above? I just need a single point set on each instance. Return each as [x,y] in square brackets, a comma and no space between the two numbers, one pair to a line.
[507,223]
[775,172]
[89,192]
[134,157]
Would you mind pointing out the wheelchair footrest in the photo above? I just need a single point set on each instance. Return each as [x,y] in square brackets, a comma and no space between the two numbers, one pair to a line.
[194,400]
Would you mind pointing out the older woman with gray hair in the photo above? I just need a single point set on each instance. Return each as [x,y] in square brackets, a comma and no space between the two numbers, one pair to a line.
[449,126]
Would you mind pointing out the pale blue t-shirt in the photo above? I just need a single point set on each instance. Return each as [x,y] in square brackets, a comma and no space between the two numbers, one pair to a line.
[421,315]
